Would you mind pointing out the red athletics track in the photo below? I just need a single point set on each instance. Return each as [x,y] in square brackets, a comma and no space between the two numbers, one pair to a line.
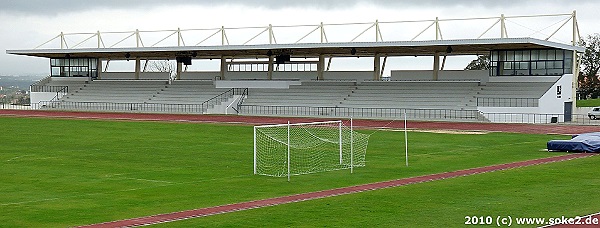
[176,216]
[518,128]
[587,221]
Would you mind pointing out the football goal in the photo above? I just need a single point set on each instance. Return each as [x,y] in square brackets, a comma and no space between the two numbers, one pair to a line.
[294,149]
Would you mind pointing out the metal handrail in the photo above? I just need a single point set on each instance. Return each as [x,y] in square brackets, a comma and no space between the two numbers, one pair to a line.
[46,88]
[507,102]
[241,100]
[60,93]
[385,113]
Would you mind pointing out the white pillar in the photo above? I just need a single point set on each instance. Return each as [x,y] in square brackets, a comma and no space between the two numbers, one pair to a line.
[377,67]
[179,69]
[99,68]
[575,67]
[351,146]
[288,151]
[255,150]
[223,67]
[137,68]
[436,66]
[320,67]
[340,141]
[270,71]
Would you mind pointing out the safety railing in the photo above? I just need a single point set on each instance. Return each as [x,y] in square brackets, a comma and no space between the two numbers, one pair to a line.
[122,107]
[305,111]
[243,97]
[139,107]
[507,102]
[46,88]
[535,118]
[222,97]
[377,113]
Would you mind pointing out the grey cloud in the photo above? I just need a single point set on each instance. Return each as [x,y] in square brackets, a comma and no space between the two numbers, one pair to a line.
[55,7]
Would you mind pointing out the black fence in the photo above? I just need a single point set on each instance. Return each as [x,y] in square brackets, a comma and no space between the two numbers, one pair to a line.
[377,113]
[139,107]
[507,102]
[45,88]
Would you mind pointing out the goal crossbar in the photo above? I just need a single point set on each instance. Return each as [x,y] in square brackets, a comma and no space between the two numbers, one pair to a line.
[301,148]
[298,124]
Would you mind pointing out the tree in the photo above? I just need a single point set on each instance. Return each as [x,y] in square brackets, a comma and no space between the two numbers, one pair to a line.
[163,66]
[481,63]
[589,82]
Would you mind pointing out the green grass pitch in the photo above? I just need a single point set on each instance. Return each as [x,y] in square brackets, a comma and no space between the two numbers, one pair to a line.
[64,172]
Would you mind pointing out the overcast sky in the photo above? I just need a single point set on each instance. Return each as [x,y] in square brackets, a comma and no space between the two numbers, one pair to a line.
[27,24]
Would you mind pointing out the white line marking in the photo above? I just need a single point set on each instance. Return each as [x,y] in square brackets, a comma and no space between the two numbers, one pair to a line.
[18,157]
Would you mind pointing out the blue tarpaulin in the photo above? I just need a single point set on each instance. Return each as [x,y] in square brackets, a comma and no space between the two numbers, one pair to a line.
[588,142]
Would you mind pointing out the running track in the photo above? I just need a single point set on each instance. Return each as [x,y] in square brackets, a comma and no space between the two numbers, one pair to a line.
[175,216]
[517,128]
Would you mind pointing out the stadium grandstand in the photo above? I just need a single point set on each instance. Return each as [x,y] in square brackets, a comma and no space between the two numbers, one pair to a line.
[530,78]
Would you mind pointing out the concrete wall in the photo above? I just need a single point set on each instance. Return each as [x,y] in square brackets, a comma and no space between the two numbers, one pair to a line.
[200,75]
[517,115]
[131,75]
[445,75]
[550,105]
[36,97]
[553,103]
[272,84]
[294,75]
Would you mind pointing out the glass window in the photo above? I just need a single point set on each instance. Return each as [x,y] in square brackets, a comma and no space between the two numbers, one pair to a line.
[531,62]
[518,55]
[73,67]
[558,65]
[510,55]
[502,55]
[568,55]
[540,65]
[526,55]
[55,71]
[560,55]
[535,54]
[543,55]
[523,65]
[551,54]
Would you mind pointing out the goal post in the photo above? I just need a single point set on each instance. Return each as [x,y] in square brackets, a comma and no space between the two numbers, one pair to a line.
[294,149]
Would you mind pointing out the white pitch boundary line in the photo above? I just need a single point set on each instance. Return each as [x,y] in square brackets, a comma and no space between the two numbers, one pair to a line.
[149,180]
[166,184]
[18,157]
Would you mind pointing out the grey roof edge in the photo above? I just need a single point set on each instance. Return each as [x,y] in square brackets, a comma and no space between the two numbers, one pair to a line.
[423,43]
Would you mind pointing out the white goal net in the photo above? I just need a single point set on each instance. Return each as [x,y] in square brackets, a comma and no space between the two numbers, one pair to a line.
[294,149]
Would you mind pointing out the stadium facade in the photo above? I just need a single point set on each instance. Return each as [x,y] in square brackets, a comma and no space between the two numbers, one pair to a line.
[530,79]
